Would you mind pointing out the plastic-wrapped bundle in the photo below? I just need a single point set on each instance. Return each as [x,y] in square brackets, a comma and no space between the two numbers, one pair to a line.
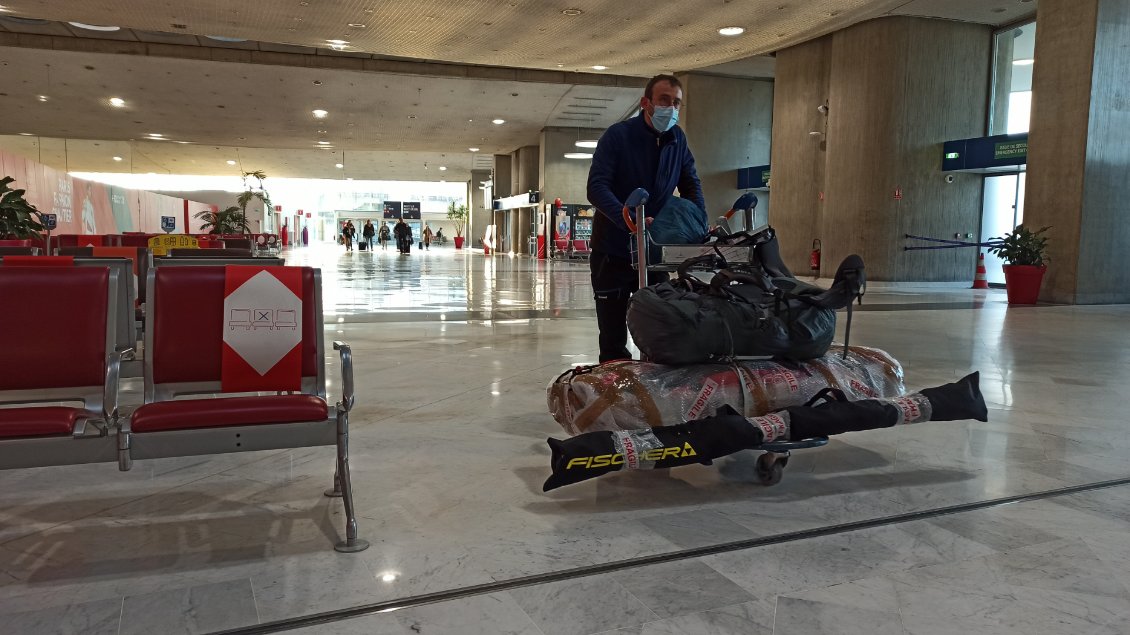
[726,432]
[629,395]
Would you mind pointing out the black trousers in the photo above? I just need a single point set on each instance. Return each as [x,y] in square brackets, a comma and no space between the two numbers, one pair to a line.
[614,280]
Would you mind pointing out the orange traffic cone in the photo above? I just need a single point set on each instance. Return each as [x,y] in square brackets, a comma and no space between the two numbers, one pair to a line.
[979,281]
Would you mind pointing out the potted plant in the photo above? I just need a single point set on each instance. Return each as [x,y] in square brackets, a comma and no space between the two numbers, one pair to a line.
[232,220]
[458,214]
[1025,255]
[18,218]
[251,192]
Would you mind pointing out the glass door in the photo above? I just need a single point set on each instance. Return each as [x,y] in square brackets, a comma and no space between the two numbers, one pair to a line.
[1002,211]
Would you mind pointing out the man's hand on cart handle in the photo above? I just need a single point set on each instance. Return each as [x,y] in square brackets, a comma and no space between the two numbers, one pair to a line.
[631,223]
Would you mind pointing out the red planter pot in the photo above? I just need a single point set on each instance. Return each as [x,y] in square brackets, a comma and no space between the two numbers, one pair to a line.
[1022,282]
[458,242]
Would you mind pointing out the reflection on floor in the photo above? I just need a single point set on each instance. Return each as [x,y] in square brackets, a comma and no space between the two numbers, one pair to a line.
[453,353]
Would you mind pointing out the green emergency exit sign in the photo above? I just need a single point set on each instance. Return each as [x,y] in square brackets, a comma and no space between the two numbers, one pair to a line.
[1010,150]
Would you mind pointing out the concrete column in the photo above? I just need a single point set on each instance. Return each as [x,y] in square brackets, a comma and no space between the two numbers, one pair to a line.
[728,124]
[478,205]
[515,169]
[799,156]
[897,88]
[503,186]
[521,221]
[502,175]
[528,169]
[1079,148]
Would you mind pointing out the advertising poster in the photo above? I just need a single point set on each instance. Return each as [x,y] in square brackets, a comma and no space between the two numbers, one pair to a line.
[85,207]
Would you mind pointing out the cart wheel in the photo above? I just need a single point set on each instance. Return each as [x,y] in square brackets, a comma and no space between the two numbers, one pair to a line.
[770,469]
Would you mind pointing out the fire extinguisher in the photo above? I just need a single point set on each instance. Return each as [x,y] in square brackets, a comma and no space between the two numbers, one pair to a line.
[814,257]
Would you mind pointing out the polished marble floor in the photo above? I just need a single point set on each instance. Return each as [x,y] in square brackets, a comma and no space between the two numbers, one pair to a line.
[453,352]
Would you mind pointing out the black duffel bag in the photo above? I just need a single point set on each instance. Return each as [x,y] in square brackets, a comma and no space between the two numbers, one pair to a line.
[742,312]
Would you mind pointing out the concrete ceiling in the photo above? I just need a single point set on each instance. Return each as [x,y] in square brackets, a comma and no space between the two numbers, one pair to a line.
[381,125]
[627,38]
[384,123]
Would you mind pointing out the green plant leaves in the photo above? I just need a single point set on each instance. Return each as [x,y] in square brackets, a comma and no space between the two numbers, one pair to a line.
[17,217]
[1022,246]
[457,213]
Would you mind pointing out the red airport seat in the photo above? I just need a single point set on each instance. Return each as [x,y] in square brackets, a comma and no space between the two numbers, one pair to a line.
[581,248]
[185,325]
[48,367]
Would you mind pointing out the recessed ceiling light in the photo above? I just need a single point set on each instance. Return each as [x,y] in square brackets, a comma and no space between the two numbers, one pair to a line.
[571,12]
[117,158]
[443,168]
[1025,62]
[26,134]
[598,67]
[578,155]
[42,97]
[356,25]
[498,122]
[339,165]
[473,149]
[230,162]
[323,143]
[585,144]
[156,135]
[319,113]
[94,27]
[731,31]
[339,42]
[411,116]
[117,102]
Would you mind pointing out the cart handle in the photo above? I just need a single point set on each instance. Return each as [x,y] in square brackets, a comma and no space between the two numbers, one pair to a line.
[638,197]
[745,201]
[628,220]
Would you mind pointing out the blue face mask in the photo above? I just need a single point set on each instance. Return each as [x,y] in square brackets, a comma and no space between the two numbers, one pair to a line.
[664,118]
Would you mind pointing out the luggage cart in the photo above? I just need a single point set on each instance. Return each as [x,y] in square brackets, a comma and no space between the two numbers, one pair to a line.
[674,255]
[775,455]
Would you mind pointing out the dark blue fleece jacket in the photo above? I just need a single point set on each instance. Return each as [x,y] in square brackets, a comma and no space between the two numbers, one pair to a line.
[632,154]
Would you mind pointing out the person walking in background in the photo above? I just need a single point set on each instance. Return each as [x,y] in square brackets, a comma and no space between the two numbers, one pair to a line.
[383,236]
[400,231]
[427,233]
[352,234]
[368,232]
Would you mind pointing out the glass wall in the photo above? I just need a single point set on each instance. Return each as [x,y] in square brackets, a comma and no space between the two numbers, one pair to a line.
[1014,55]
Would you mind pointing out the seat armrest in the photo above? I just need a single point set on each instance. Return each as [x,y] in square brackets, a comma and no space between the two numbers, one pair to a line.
[346,374]
[110,390]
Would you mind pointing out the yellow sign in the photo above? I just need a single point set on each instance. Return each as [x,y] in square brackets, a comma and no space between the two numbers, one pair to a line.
[160,245]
